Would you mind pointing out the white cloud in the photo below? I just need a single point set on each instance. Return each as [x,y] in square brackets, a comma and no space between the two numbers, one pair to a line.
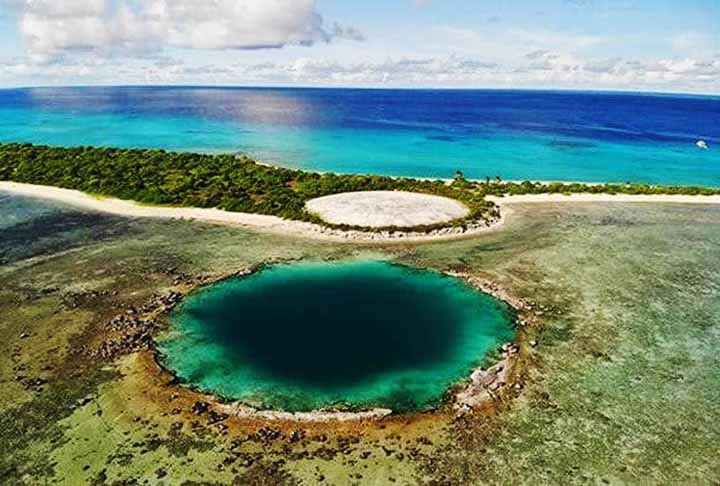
[146,35]
[696,42]
[51,28]
[545,70]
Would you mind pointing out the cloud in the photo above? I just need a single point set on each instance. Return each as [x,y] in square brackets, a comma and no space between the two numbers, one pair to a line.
[134,42]
[548,70]
[344,32]
[691,42]
[51,28]
[537,54]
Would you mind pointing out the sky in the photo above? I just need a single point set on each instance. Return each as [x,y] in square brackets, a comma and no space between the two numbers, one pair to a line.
[634,45]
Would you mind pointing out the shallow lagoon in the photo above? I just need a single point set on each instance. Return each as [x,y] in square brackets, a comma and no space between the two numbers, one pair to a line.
[305,336]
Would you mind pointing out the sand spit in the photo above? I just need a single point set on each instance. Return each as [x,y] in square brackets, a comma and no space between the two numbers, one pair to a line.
[277,225]
[261,222]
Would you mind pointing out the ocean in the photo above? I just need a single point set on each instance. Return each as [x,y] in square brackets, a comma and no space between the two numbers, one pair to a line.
[515,135]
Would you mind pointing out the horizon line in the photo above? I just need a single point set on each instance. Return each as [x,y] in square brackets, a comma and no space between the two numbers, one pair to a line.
[367,88]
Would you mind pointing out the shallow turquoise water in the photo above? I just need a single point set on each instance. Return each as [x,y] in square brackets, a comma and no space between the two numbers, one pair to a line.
[310,335]
[571,136]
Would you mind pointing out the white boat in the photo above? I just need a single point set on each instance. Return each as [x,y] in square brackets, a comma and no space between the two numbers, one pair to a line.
[702,144]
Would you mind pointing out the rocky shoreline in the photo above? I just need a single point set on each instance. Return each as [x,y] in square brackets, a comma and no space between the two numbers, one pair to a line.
[409,235]
[487,385]
[134,330]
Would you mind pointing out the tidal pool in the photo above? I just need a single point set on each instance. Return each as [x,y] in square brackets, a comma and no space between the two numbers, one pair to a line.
[304,336]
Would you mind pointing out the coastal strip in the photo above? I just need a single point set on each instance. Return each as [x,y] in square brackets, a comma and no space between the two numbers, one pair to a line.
[267,223]
[597,198]
[277,225]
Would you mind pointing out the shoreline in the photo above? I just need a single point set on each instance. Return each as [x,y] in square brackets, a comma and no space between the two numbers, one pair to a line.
[261,222]
[617,198]
[274,224]
[468,394]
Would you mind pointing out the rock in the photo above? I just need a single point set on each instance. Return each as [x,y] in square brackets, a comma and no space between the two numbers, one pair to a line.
[24,335]
[200,408]
[215,417]
[296,435]
[268,434]
[84,401]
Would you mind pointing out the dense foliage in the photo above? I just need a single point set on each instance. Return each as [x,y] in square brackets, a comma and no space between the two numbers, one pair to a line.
[237,183]
[499,188]
[230,182]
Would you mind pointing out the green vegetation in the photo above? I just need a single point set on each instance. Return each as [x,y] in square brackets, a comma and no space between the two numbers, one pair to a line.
[238,183]
[233,183]
[500,188]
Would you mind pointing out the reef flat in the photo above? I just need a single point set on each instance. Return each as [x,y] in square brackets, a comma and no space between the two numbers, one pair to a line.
[615,380]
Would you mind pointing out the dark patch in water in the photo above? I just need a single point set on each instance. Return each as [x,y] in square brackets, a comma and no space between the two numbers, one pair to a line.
[441,138]
[616,221]
[569,144]
[59,231]
[316,334]
[304,336]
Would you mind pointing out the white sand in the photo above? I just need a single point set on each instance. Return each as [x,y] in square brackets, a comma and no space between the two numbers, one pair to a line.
[377,209]
[254,221]
[281,226]
[133,209]
[616,198]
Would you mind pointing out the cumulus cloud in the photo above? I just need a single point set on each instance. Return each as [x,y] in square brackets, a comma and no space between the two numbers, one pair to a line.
[144,33]
[51,28]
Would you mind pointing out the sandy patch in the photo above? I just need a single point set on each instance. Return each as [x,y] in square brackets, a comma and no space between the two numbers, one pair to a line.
[650,198]
[277,225]
[377,209]
[261,222]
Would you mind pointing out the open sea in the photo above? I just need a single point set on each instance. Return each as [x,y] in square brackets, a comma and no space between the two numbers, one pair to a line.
[517,135]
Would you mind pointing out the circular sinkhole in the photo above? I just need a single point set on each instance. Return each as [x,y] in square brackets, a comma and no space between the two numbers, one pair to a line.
[305,336]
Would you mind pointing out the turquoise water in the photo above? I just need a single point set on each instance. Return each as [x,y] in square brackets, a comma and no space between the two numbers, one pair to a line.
[571,136]
[310,335]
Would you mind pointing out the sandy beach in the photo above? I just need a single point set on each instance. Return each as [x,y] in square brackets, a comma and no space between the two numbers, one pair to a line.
[260,222]
[616,198]
[280,226]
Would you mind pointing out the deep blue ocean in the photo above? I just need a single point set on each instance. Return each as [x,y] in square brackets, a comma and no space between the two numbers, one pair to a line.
[569,136]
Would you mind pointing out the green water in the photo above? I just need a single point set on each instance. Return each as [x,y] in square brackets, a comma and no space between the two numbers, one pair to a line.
[304,336]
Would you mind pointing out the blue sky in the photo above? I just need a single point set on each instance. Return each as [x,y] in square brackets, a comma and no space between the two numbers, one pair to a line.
[572,44]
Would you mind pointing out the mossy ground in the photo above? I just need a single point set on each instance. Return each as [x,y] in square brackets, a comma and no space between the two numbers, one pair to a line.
[622,386]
